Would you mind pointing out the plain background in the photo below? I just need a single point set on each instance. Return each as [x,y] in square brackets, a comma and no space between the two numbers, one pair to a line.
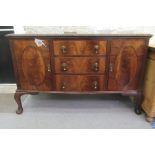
[77,13]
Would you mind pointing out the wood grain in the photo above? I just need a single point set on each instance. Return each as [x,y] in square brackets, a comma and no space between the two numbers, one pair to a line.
[138,45]
[79,47]
[80,65]
[79,83]
[32,62]
[126,60]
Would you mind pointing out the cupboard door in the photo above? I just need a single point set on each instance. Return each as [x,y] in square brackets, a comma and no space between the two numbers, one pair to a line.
[32,61]
[126,64]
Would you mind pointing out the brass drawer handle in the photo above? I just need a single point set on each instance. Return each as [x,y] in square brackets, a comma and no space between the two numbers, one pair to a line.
[96,67]
[96,48]
[64,66]
[63,86]
[95,85]
[63,49]
[49,68]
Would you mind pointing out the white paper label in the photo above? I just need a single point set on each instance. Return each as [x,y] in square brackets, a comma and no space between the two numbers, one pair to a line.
[39,42]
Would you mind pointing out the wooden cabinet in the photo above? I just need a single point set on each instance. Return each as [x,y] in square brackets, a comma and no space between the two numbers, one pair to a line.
[79,64]
[149,86]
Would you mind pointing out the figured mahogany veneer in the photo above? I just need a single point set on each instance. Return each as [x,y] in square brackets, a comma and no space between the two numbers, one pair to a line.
[79,47]
[79,64]
[80,83]
[126,60]
[31,63]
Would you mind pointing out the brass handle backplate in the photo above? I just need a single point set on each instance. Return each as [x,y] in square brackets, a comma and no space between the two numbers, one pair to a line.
[111,67]
[64,66]
[49,68]
[96,66]
[63,49]
[95,85]
[96,48]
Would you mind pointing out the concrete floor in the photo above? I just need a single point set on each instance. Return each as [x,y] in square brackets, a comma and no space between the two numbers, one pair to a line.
[71,111]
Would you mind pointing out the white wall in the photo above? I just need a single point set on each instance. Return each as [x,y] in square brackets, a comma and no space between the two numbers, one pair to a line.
[98,16]
[87,29]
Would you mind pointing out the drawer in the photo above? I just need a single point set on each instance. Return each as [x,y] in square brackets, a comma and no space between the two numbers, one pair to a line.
[79,83]
[79,47]
[79,65]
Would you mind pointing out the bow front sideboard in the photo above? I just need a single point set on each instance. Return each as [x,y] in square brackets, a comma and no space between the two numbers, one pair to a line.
[81,64]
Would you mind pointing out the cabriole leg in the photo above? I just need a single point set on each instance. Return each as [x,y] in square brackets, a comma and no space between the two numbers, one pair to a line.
[138,103]
[17,97]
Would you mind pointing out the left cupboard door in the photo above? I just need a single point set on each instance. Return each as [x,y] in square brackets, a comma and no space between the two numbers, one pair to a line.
[31,58]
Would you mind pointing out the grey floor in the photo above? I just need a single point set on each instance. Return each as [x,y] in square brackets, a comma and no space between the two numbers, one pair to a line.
[71,111]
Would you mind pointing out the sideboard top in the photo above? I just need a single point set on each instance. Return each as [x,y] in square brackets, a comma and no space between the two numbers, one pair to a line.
[77,35]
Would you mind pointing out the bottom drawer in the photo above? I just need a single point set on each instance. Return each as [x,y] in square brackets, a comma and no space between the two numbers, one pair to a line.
[79,83]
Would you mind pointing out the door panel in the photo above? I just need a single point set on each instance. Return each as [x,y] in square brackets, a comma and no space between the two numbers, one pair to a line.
[126,59]
[138,45]
[32,61]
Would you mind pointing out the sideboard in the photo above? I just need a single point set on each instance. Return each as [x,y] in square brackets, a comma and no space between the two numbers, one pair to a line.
[79,63]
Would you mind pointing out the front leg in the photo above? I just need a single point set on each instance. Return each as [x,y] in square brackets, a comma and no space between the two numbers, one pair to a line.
[138,102]
[17,97]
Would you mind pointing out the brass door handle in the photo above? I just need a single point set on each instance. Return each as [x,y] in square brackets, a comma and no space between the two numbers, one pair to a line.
[96,48]
[95,85]
[96,66]
[111,67]
[64,66]
[49,68]
[63,49]
[63,86]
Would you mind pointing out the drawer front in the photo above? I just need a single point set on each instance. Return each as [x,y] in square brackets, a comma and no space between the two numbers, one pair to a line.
[79,47]
[80,65]
[79,83]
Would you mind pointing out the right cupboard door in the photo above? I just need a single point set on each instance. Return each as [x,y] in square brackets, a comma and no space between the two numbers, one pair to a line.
[127,57]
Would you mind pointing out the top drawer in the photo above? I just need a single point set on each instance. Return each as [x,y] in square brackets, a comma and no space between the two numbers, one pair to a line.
[79,47]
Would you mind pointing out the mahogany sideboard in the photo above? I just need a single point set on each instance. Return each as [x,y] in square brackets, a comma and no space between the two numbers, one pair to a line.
[84,63]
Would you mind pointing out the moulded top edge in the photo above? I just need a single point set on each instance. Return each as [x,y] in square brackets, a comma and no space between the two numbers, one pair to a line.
[78,35]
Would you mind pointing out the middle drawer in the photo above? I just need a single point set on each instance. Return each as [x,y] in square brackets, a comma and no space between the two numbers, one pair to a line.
[78,65]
